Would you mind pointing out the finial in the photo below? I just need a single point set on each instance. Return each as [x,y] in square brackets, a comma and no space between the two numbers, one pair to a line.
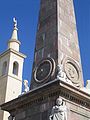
[14,38]
[15,22]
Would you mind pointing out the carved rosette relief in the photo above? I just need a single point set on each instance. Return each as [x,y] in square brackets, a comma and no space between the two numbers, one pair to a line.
[72,71]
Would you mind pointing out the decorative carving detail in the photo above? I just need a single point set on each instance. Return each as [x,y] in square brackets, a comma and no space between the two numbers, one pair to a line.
[62,75]
[72,71]
[26,87]
[44,70]
[59,111]
[15,22]
[69,96]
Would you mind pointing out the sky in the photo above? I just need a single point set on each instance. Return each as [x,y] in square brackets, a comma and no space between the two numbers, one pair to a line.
[26,13]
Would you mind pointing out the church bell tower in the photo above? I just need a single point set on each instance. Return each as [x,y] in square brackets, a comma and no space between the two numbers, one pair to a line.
[11,68]
[56,44]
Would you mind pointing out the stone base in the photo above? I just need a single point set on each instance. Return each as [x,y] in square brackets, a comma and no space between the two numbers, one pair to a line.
[37,104]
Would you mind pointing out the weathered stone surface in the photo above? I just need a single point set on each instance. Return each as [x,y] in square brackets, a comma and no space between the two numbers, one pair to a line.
[37,104]
[20,116]
[56,34]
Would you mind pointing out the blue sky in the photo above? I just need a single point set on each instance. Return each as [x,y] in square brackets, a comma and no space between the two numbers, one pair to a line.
[26,12]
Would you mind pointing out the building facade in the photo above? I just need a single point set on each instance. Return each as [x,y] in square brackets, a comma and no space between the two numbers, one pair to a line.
[11,69]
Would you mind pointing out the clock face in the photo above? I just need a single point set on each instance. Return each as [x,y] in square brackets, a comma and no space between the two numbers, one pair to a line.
[43,71]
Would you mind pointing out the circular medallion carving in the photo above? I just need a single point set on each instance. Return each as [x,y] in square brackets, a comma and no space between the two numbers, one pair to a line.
[72,70]
[44,70]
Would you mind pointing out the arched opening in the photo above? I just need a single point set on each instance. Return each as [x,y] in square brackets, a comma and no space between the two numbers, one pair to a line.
[15,68]
[4,68]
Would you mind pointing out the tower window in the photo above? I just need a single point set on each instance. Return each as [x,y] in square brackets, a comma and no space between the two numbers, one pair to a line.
[4,68]
[15,68]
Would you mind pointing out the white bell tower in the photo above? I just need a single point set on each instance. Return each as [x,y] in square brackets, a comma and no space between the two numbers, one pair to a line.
[11,69]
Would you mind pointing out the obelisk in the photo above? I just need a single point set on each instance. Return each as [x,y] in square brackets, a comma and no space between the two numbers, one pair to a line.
[56,44]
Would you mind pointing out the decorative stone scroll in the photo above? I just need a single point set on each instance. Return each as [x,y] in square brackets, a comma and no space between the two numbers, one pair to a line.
[59,111]
[72,70]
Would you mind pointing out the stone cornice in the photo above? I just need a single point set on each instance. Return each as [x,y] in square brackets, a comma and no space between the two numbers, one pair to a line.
[13,51]
[51,89]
